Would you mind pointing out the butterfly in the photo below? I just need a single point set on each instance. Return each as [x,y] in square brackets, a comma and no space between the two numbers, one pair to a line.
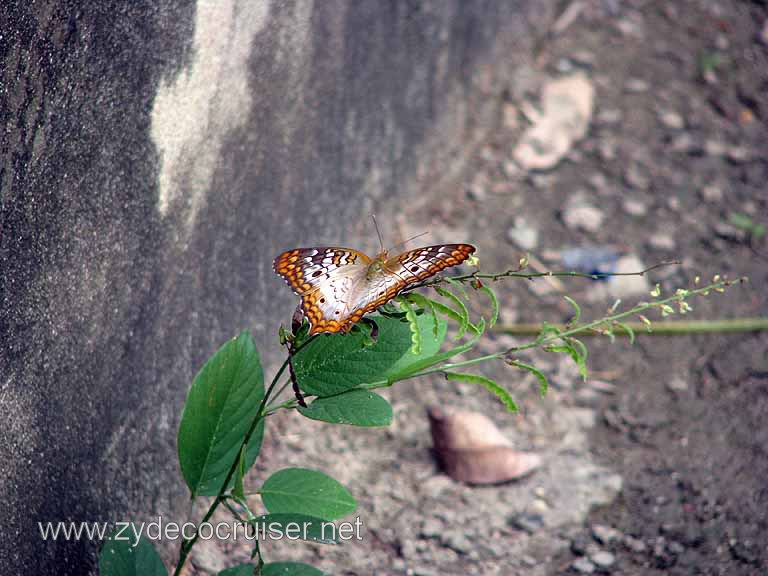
[339,285]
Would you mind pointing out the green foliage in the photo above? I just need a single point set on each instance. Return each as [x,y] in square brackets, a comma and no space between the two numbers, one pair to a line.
[299,490]
[335,363]
[274,569]
[290,569]
[294,526]
[223,401]
[458,307]
[743,222]
[223,420]
[543,382]
[429,306]
[413,324]
[489,385]
[356,407]
[494,305]
[124,557]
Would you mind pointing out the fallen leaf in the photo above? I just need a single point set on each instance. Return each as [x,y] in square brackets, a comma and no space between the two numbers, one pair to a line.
[470,448]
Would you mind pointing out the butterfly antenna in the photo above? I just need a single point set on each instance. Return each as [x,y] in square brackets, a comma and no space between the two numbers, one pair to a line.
[404,242]
[378,232]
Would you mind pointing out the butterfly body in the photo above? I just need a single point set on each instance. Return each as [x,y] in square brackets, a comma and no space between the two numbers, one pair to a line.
[339,285]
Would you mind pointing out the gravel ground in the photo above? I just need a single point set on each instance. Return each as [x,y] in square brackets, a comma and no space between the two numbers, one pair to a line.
[658,464]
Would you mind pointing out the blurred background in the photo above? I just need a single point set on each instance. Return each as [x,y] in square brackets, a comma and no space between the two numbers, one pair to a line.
[158,156]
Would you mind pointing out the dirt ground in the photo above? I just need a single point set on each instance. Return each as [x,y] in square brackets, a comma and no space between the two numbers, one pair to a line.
[659,464]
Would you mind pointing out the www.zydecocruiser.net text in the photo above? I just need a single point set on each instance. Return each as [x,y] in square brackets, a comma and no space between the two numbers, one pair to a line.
[235,530]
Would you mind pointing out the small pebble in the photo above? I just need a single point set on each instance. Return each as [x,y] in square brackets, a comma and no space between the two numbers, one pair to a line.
[583,58]
[511,118]
[599,182]
[677,384]
[715,148]
[662,241]
[672,120]
[457,541]
[583,216]
[528,522]
[605,534]
[636,86]
[635,544]
[637,177]
[529,561]
[764,33]
[712,193]
[564,65]
[579,545]
[729,231]
[607,149]
[476,192]
[583,566]
[523,235]
[675,548]
[511,169]
[603,559]
[609,116]
[634,207]
[738,154]
[683,143]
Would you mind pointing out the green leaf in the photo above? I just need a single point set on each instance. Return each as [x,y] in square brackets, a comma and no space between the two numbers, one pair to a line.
[489,385]
[289,569]
[494,303]
[410,315]
[460,308]
[123,557]
[335,363]
[576,350]
[581,356]
[406,371]
[220,408]
[365,327]
[241,570]
[300,490]
[458,286]
[576,308]
[356,408]
[543,384]
[282,526]
[628,329]
[557,348]
[239,489]
[446,311]
[426,304]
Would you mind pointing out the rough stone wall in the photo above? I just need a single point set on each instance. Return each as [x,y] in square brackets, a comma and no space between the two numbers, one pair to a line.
[155,156]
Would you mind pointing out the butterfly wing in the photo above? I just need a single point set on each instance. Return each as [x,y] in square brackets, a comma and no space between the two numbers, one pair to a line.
[400,272]
[325,278]
[337,286]
[419,264]
[306,269]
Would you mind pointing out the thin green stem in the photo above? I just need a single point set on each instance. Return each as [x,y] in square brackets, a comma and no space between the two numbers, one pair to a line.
[187,545]
[518,273]
[581,328]
[666,328]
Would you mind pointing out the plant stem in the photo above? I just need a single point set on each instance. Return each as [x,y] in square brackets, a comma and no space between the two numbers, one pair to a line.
[582,328]
[518,273]
[187,545]
[666,328]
